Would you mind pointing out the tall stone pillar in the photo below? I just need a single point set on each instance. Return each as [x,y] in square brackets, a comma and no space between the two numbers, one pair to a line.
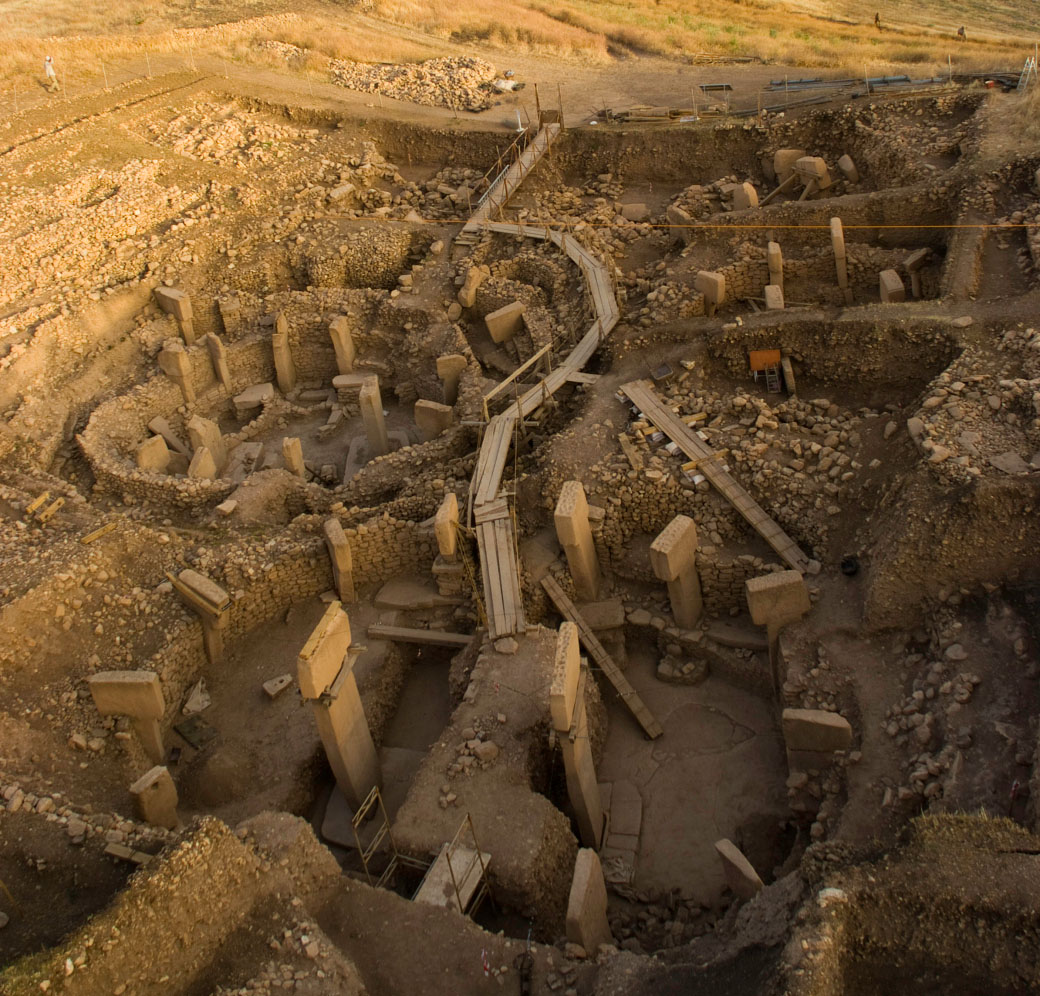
[775,259]
[840,264]
[204,432]
[292,454]
[447,568]
[449,369]
[567,706]
[673,556]
[285,369]
[774,601]
[343,344]
[138,695]
[432,419]
[371,403]
[212,605]
[175,302]
[156,798]
[713,287]
[218,357]
[575,535]
[176,364]
[587,923]
[325,671]
[342,559]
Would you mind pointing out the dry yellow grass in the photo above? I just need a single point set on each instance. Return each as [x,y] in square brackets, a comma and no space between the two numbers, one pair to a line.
[86,34]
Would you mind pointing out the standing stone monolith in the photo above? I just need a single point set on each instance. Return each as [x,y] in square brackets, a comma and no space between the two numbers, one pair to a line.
[210,602]
[673,555]
[176,364]
[204,432]
[284,368]
[567,708]
[775,261]
[840,262]
[342,559]
[371,404]
[153,454]
[292,454]
[449,369]
[774,601]
[175,302]
[587,923]
[156,798]
[343,344]
[218,357]
[432,419]
[325,670]
[575,535]
[138,695]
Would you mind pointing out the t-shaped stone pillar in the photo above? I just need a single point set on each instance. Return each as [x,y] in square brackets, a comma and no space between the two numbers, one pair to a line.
[284,368]
[587,904]
[432,419]
[202,466]
[176,364]
[342,559]
[212,604]
[135,694]
[673,556]
[175,302]
[468,291]
[776,600]
[343,344]
[575,535]
[741,877]
[775,261]
[203,432]
[914,264]
[371,404]
[325,671]
[449,369]
[445,527]
[840,262]
[567,706]
[156,798]
[713,287]
[292,454]
[218,357]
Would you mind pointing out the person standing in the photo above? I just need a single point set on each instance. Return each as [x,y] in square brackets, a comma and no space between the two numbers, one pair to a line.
[52,76]
[877,20]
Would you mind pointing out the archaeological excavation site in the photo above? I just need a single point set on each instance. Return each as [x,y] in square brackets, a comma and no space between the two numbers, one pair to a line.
[455,543]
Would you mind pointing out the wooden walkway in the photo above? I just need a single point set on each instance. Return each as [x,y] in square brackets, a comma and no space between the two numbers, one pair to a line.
[629,696]
[496,536]
[506,184]
[709,464]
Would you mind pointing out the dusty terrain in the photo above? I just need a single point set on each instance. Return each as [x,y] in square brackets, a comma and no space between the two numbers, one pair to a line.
[206,261]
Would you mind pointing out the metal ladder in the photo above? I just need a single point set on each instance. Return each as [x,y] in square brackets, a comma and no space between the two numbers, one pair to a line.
[1028,73]
[773,379]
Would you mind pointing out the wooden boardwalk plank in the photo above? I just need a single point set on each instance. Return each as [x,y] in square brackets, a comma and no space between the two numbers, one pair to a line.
[645,399]
[405,634]
[599,654]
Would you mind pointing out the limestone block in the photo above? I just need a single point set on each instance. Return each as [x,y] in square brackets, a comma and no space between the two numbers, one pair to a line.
[503,324]
[775,260]
[777,598]
[681,222]
[468,291]
[815,730]
[783,162]
[292,453]
[218,357]
[343,344]
[127,693]
[285,368]
[371,404]
[445,526]
[342,558]
[675,548]
[432,418]
[203,466]
[156,798]
[847,168]
[572,513]
[743,196]
[205,433]
[813,168]
[153,455]
[252,398]
[324,652]
[449,369]
[742,879]
[774,298]
[204,593]
[891,287]
[174,302]
[587,923]
[566,671]
[175,363]
[713,287]
[161,427]
[635,212]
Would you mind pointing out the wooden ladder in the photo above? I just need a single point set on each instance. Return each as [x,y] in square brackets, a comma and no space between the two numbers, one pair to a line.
[629,696]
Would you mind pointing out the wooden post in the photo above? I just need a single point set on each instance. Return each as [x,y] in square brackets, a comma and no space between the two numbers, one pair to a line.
[148,62]
[537,105]
[105,72]
[559,98]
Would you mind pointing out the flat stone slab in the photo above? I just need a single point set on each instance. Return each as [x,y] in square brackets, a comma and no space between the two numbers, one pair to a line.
[402,593]
[742,635]
[626,809]
[608,614]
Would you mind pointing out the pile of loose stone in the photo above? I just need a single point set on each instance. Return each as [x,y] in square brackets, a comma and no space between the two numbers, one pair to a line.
[974,420]
[649,921]
[461,82]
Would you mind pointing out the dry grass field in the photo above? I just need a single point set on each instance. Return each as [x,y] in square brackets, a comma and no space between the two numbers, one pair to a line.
[919,38]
